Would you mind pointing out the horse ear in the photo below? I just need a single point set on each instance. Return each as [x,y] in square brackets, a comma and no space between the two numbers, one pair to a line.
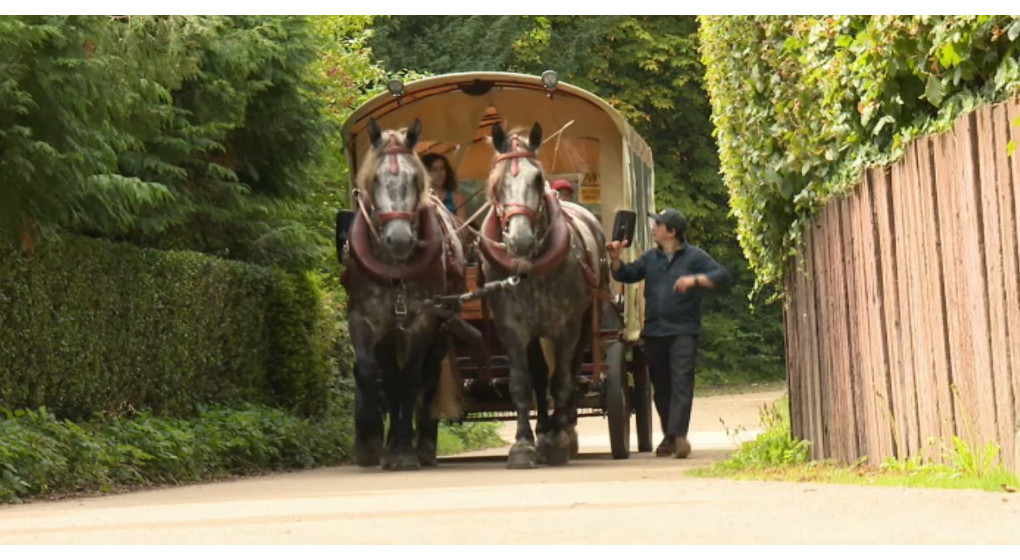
[498,138]
[374,134]
[535,138]
[413,134]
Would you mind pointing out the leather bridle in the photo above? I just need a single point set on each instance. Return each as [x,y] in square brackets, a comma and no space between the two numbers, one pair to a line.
[393,149]
[505,211]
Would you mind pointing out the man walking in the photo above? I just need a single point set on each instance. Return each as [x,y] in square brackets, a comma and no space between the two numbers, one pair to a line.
[676,276]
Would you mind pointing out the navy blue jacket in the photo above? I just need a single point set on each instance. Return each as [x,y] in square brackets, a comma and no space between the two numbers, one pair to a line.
[668,312]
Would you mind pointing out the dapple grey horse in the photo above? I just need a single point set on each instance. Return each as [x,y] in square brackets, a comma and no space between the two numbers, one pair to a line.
[558,248]
[403,250]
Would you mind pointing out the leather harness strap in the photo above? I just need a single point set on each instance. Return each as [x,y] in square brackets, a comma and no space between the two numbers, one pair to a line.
[392,150]
[514,154]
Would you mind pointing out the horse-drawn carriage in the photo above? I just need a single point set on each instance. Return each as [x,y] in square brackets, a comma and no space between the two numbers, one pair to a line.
[523,285]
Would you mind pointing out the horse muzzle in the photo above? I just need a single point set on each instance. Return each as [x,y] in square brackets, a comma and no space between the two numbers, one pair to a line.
[399,239]
[520,238]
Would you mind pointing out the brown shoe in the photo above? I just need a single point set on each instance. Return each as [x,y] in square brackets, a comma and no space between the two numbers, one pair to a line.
[667,447]
[683,448]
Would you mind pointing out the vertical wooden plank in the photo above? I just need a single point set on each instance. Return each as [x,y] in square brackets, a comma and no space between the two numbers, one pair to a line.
[877,359]
[882,196]
[818,272]
[794,345]
[988,197]
[973,275]
[860,326]
[947,182]
[934,292]
[815,357]
[921,309]
[797,354]
[857,324]
[907,303]
[836,344]
[1008,179]
[823,307]
[846,411]
[866,320]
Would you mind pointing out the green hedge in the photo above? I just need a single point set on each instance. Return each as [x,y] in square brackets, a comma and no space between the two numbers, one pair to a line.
[41,455]
[89,326]
[801,105]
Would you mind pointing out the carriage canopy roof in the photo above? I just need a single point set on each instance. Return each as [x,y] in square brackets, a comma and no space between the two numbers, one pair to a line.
[458,110]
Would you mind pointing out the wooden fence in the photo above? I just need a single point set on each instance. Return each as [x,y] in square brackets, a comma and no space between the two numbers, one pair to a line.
[903,311]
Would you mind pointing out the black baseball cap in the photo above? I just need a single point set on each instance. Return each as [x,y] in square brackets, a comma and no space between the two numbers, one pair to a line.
[672,218]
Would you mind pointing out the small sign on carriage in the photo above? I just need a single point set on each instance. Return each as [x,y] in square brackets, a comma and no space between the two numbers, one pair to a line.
[591,195]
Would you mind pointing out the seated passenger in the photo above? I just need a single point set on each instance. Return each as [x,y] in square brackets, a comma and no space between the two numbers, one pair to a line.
[563,189]
[444,183]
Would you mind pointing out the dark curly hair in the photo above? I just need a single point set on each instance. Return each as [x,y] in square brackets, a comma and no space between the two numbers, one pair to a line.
[451,179]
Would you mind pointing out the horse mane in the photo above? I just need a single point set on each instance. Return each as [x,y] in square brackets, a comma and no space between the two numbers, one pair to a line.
[495,180]
[370,167]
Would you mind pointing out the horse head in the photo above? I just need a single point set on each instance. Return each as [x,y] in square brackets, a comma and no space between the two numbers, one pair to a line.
[391,185]
[517,191]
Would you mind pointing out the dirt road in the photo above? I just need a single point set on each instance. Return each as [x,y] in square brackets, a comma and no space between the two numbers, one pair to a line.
[473,499]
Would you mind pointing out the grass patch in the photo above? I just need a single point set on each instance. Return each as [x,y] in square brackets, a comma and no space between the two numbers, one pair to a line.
[776,455]
[461,437]
[738,389]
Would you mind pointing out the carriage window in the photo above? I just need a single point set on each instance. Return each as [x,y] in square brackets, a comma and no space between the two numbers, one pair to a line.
[641,182]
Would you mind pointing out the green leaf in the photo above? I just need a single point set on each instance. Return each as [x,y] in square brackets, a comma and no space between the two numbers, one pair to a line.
[948,57]
[1010,148]
[1014,30]
[934,90]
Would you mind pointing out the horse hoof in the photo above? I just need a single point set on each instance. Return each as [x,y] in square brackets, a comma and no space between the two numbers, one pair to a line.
[367,460]
[427,457]
[403,462]
[574,447]
[559,452]
[542,446]
[522,456]
[366,456]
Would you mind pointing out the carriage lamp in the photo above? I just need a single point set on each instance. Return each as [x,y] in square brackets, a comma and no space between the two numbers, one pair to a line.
[550,79]
[396,89]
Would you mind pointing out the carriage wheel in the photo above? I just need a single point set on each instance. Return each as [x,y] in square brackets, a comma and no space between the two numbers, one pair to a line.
[642,403]
[617,406]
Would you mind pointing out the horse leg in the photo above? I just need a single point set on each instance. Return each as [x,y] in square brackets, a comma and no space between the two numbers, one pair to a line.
[522,453]
[583,344]
[403,455]
[368,420]
[540,377]
[564,415]
[428,426]
[391,383]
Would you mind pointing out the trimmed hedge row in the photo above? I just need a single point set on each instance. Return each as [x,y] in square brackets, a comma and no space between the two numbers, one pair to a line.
[90,326]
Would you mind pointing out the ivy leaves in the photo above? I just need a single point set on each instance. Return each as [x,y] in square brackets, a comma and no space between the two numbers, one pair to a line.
[801,105]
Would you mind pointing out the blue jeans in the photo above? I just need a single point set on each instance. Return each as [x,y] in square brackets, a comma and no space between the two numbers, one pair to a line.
[671,366]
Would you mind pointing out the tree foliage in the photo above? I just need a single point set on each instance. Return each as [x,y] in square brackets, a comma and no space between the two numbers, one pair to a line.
[801,105]
[170,131]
